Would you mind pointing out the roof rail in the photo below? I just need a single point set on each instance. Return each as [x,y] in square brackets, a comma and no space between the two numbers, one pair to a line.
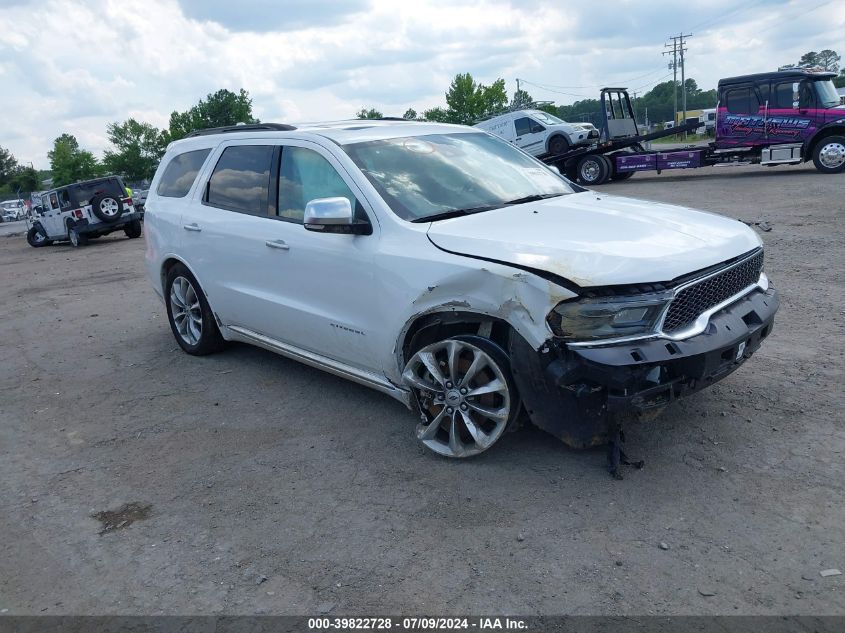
[531,105]
[242,127]
[391,118]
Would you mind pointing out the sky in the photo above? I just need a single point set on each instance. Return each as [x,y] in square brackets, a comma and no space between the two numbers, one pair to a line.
[74,66]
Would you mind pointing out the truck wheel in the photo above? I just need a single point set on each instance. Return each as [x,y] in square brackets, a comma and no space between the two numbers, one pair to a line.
[829,155]
[622,175]
[36,238]
[558,145]
[133,229]
[593,170]
[465,392]
[107,208]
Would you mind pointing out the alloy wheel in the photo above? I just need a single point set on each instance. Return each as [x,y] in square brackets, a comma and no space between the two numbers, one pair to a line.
[590,171]
[832,155]
[464,397]
[186,310]
[109,207]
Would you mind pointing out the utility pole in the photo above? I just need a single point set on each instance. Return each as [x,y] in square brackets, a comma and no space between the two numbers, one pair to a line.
[683,77]
[678,48]
[674,66]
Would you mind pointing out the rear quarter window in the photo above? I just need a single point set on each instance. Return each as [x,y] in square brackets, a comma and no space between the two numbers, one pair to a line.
[180,173]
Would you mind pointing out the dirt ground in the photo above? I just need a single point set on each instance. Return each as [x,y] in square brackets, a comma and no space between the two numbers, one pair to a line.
[259,485]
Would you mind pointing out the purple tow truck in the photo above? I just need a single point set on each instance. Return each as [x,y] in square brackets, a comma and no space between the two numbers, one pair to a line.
[778,118]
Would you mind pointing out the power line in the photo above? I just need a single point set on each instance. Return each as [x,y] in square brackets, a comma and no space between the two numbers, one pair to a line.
[601,85]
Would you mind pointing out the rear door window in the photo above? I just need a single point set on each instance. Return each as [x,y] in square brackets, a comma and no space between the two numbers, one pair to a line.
[241,179]
[742,101]
[179,176]
[82,194]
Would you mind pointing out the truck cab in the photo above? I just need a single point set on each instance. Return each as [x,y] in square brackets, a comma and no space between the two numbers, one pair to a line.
[783,117]
[539,133]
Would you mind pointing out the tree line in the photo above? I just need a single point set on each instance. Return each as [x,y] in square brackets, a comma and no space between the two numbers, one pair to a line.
[137,147]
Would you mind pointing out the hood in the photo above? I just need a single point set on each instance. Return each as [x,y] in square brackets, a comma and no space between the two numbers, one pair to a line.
[598,240]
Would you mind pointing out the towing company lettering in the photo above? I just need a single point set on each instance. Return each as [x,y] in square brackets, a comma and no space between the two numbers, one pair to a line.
[776,125]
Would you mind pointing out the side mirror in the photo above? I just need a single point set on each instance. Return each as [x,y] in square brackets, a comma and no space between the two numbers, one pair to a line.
[333,215]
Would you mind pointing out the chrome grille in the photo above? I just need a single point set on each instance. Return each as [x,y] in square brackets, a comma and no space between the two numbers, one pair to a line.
[699,297]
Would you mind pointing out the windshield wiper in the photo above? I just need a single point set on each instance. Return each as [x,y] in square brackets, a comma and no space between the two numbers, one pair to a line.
[455,213]
[533,198]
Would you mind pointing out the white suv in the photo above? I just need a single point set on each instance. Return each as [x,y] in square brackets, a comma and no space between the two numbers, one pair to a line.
[82,211]
[539,133]
[450,270]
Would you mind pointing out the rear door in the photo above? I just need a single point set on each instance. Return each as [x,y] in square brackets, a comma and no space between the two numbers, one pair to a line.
[744,121]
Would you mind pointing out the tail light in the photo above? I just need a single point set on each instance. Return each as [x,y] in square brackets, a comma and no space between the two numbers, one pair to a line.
[78,214]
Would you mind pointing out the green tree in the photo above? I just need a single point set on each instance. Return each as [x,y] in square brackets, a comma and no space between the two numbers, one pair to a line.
[436,115]
[829,60]
[839,81]
[521,99]
[70,163]
[7,165]
[468,101]
[218,109]
[410,114]
[372,113]
[810,58]
[137,150]
[24,179]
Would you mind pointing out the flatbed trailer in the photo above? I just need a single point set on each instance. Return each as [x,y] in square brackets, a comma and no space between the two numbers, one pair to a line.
[753,126]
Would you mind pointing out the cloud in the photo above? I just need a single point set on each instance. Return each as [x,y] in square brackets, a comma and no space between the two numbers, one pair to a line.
[271,15]
[320,60]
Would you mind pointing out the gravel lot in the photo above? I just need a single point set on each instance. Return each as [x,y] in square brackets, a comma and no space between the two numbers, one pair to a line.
[264,486]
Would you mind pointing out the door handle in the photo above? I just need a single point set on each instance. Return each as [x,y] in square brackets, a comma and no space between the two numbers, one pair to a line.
[518,138]
[192,227]
[280,244]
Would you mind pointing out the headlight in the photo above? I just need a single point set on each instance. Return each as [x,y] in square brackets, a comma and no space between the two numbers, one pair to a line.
[607,317]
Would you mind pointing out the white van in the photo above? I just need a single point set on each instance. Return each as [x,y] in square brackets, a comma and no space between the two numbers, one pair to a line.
[539,133]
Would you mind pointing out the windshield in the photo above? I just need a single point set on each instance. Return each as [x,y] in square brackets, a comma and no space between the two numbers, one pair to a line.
[547,118]
[432,175]
[828,97]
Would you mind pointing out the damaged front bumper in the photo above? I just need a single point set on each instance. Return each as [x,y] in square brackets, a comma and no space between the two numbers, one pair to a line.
[575,393]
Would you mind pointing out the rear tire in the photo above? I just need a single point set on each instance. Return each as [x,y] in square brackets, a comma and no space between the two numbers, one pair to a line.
[133,229]
[191,319]
[829,155]
[76,238]
[593,170]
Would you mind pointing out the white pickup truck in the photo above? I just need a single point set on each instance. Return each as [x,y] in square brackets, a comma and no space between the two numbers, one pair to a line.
[539,133]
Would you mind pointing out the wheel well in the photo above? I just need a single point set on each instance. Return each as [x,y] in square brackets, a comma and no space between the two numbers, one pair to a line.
[557,135]
[430,328]
[823,134]
[165,269]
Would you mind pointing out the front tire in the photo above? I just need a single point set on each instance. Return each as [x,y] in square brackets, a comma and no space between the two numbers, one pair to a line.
[191,319]
[36,239]
[829,155]
[558,145]
[465,392]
